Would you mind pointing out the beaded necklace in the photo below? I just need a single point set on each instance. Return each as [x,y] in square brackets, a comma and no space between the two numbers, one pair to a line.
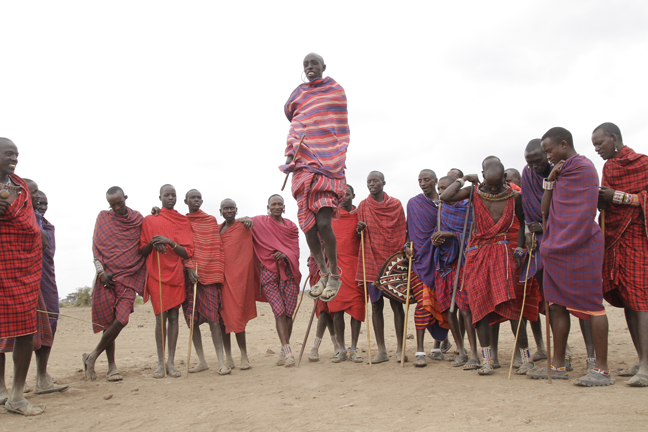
[496,197]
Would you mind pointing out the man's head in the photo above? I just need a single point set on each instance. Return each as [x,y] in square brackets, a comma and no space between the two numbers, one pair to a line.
[193,199]
[375,183]
[494,175]
[8,157]
[536,158]
[607,140]
[117,200]
[228,209]
[276,206]
[427,180]
[33,191]
[558,144]
[456,172]
[314,66]
[347,204]
[42,202]
[444,182]
[168,196]
[513,176]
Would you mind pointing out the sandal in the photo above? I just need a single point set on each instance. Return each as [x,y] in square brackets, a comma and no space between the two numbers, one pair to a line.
[445,346]
[596,378]
[542,374]
[539,356]
[471,365]
[330,292]
[224,370]
[114,377]
[420,360]
[631,371]
[355,357]
[313,356]
[486,369]
[55,388]
[460,361]
[590,364]
[436,354]
[639,380]
[340,356]
[290,361]
[25,408]
[525,368]
[316,290]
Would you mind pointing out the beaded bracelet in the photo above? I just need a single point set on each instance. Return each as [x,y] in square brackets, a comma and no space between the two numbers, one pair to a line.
[461,183]
[618,197]
[519,252]
[548,185]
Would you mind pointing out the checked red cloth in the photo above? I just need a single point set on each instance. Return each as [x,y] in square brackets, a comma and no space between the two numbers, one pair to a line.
[625,266]
[21,260]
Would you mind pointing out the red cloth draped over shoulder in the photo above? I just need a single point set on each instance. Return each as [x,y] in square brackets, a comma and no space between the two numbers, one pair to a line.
[240,283]
[271,236]
[385,233]
[572,249]
[21,261]
[116,244]
[490,266]
[532,300]
[176,227]
[625,267]
[208,251]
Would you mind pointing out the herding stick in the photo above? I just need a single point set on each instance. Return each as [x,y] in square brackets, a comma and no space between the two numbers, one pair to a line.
[294,157]
[407,299]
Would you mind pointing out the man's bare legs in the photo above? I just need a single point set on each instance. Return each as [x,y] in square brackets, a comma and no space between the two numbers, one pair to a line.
[457,334]
[106,343]
[466,315]
[640,325]
[338,321]
[484,336]
[23,347]
[399,326]
[323,322]
[171,333]
[217,339]
[242,344]
[378,321]
[586,330]
[284,330]
[325,230]
[560,326]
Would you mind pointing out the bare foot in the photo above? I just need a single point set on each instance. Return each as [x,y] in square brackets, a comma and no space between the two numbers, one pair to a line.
[49,388]
[172,371]
[380,358]
[539,355]
[229,362]
[159,372]
[398,358]
[332,288]
[88,368]
[113,374]
[199,368]
[24,408]
[245,363]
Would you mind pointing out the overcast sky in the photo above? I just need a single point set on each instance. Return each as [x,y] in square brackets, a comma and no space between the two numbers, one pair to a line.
[138,94]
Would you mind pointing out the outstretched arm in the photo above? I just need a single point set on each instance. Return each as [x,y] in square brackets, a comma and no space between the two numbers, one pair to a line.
[455,193]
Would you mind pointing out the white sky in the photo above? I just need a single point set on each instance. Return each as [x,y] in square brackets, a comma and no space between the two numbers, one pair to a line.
[138,94]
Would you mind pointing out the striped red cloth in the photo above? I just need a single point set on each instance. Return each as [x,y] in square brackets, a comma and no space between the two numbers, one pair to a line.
[176,227]
[43,335]
[625,267]
[490,266]
[110,304]
[452,218]
[20,265]
[313,192]
[283,297]
[208,303]
[427,313]
[240,284]
[385,234]
[573,244]
[208,251]
[271,236]
[318,109]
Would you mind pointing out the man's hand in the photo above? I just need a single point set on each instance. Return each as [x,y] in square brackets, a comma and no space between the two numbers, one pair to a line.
[246,221]
[44,239]
[289,159]
[193,276]
[361,226]
[518,261]
[4,205]
[472,178]
[409,251]
[279,256]
[556,171]
[531,243]
[535,227]
[107,280]
[606,194]
[159,243]
[155,211]
[438,238]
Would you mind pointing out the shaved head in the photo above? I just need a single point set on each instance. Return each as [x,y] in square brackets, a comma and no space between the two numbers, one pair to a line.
[379,174]
[317,56]
[513,176]
[189,191]
[429,172]
[166,185]
[610,129]
[6,141]
[493,166]
[115,189]
[558,135]
[534,145]
[228,202]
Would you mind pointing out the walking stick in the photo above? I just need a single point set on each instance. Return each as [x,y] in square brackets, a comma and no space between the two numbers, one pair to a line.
[461,249]
[547,320]
[191,324]
[294,157]
[407,299]
[364,281]
[301,298]
[517,332]
[310,322]
[161,313]
[603,221]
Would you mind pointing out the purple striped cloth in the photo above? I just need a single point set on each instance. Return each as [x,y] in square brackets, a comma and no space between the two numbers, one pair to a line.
[421,224]
[573,244]
[532,192]
[452,220]
[48,279]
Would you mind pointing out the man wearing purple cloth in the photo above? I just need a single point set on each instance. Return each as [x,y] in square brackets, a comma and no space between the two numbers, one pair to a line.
[48,278]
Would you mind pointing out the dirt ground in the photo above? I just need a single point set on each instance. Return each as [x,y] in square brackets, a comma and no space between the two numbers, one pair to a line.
[320,396]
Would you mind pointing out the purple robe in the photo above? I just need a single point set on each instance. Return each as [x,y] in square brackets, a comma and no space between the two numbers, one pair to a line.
[48,279]
[421,224]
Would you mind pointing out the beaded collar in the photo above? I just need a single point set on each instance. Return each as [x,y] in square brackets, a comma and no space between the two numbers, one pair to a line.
[496,197]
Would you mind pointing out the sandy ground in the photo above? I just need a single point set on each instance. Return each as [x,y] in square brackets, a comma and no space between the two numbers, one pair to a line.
[319,396]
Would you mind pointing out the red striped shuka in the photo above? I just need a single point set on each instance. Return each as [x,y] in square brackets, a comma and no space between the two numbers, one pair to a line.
[625,267]
[490,266]
[317,109]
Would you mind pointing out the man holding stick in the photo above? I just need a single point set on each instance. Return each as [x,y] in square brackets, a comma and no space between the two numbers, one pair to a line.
[623,196]
[572,254]
[205,268]
[316,155]
[121,275]
[169,233]
[382,220]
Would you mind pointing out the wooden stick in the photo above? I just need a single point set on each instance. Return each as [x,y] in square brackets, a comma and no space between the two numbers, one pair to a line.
[191,324]
[407,300]
[517,332]
[461,249]
[161,313]
[310,323]
[68,316]
[301,298]
[364,281]
[547,319]
[603,221]
[294,157]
